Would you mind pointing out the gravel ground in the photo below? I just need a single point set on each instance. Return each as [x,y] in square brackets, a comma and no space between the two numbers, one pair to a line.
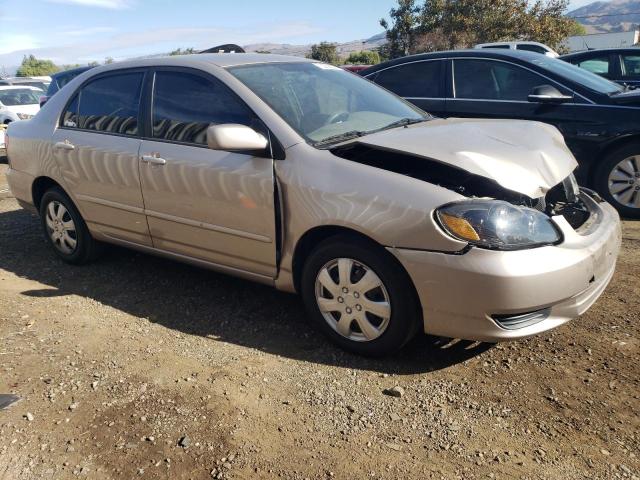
[138,367]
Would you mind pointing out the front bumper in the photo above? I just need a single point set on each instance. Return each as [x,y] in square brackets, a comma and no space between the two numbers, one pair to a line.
[461,295]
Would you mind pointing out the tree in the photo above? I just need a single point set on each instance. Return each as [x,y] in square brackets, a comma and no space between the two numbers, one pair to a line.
[405,24]
[186,51]
[108,60]
[325,52]
[33,67]
[365,57]
[548,24]
[453,24]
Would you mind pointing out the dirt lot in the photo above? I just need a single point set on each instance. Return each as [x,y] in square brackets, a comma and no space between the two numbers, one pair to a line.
[138,367]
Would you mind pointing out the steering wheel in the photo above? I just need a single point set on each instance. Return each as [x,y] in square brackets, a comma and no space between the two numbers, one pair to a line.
[338,117]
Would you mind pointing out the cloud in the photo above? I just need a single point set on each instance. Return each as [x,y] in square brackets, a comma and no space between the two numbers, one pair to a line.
[110,4]
[157,41]
[12,42]
[84,32]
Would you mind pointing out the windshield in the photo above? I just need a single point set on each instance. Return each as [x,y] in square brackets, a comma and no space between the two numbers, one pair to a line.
[19,96]
[578,75]
[325,104]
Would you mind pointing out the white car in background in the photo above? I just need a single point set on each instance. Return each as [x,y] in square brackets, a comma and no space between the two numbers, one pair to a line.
[3,147]
[18,103]
[527,46]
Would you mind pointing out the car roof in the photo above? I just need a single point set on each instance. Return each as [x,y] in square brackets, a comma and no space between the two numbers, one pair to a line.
[223,60]
[513,42]
[504,54]
[603,50]
[77,70]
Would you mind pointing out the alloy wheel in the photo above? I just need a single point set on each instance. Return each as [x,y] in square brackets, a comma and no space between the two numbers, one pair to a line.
[61,228]
[353,299]
[624,182]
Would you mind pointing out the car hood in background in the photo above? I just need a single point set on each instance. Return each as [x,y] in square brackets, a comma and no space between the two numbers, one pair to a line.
[26,109]
[631,98]
[522,156]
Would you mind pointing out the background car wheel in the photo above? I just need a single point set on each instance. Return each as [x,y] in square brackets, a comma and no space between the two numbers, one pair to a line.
[360,296]
[65,229]
[618,180]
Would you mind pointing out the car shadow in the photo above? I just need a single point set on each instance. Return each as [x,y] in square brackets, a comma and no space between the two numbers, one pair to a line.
[200,302]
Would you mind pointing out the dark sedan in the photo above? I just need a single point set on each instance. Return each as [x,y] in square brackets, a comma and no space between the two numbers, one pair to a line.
[60,79]
[621,65]
[600,120]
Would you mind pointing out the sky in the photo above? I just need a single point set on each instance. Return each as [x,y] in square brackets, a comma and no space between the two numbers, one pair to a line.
[80,31]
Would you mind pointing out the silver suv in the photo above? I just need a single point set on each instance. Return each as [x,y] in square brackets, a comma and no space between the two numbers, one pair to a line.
[303,176]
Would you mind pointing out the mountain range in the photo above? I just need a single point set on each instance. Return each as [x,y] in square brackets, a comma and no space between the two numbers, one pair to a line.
[597,17]
[344,49]
[612,16]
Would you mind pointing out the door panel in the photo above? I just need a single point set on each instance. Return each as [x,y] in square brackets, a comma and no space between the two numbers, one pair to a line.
[97,150]
[215,206]
[102,173]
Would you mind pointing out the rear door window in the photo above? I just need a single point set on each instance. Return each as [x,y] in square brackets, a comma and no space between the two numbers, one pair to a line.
[631,66]
[186,104]
[413,80]
[109,104]
[492,80]
[597,65]
[531,48]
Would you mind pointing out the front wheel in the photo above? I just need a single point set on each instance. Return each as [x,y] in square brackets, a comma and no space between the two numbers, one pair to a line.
[618,180]
[360,296]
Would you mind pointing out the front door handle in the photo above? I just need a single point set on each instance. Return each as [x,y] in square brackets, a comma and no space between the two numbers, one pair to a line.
[66,145]
[153,159]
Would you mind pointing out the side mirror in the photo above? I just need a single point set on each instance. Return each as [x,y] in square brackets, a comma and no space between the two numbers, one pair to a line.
[548,94]
[233,137]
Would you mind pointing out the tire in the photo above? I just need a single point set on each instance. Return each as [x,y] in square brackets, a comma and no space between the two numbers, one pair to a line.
[366,334]
[612,175]
[75,246]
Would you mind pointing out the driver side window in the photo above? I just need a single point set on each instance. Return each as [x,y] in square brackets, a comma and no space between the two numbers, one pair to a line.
[493,80]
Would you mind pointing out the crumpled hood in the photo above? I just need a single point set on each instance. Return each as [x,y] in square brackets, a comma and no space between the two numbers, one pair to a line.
[526,157]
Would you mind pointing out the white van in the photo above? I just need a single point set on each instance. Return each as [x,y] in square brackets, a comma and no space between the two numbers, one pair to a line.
[528,46]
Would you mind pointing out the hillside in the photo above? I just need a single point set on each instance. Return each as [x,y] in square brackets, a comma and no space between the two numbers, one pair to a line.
[344,49]
[612,16]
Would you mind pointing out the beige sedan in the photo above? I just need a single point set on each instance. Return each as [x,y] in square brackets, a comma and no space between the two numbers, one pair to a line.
[303,176]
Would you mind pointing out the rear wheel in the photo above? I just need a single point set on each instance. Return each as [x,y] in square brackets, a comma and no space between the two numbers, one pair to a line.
[360,297]
[618,180]
[65,230]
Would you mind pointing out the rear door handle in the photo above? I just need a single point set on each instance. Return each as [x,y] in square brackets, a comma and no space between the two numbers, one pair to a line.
[66,145]
[153,160]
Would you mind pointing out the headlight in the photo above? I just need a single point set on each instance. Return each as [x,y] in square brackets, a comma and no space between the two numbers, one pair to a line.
[497,225]
[24,116]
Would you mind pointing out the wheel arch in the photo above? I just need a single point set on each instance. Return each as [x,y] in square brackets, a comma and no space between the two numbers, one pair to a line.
[608,150]
[316,235]
[40,186]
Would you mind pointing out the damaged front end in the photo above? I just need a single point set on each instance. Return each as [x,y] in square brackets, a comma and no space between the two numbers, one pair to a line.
[478,220]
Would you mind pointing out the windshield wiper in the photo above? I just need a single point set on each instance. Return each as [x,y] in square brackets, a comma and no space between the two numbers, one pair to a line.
[403,122]
[341,137]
